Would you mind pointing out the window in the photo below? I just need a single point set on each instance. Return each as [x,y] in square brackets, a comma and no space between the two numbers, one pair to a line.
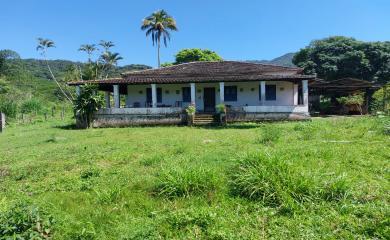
[270,92]
[149,95]
[230,93]
[186,94]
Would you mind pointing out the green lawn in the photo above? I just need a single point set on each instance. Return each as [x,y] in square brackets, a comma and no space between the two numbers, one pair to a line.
[323,179]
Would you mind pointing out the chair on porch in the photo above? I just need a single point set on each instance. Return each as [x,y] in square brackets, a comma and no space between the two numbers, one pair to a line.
[136,105]
[178,104]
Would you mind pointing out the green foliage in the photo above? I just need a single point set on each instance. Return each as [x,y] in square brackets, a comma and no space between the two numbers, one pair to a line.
[381,100]
[338,57]
[185,182]
[8,107]
[355,99]
[22,221]
[190,110]
[221,108]
[31,106]
[196,55]
[87,103]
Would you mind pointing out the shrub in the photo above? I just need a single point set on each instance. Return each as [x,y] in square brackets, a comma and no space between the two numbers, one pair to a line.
[31,106]
[190,110]
[269,134]
[25,222]
[86,104]
[8,107]
[221,108]
[184,182]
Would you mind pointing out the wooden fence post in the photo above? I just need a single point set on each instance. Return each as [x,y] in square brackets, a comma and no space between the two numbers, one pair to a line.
[63,113]
[2,122]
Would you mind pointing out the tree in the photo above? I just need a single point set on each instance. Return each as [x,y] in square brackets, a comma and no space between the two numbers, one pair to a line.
[6,55]
[158,25]
[196,55]
[338,57]
[86,104]
[43,46]
[89,49]
[110,60]
[106,45]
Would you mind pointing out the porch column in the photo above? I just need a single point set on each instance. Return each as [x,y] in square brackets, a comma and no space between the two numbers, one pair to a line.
[154,95]
[116,97]
[107,96]
[221,92]
[305,92]
[262,91]
[295,92]
[193,91]
[78,90]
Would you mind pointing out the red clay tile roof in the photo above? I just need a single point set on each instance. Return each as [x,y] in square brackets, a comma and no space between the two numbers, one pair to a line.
[227,71]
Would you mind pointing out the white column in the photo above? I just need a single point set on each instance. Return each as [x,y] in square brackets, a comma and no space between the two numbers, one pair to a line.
[262,90]
[117,101]
[78,90]
[107,96]
[221,92]
[295,92]
[305,92]
[154,95]
[193,92]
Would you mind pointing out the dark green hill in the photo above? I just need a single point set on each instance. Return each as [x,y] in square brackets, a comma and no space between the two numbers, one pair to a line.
[284,60]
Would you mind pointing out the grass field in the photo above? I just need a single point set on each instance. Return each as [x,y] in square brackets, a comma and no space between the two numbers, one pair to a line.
[323,179]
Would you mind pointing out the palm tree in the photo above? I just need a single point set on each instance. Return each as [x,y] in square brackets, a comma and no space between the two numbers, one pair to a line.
[89,49]
[159,24]
[43,45]
[106,45]
[110,59]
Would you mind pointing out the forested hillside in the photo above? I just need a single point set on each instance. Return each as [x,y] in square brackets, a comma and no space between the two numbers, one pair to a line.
[26,86]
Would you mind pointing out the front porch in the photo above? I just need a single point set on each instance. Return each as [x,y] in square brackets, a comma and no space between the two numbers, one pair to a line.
[166,103]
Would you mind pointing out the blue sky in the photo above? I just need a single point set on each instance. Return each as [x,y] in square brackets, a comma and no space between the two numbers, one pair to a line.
[237,30]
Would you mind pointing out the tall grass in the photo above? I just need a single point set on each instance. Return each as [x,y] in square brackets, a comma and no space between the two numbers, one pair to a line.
[185,181]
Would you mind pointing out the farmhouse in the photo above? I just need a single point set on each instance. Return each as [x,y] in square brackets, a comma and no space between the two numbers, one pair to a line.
[249,91]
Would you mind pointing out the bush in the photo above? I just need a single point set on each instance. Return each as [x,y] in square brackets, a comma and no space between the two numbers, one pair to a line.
[31,106]
[25,222]
[184,182]
[8,107]
[269,134]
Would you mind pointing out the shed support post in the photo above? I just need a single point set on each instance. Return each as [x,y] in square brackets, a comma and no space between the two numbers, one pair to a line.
[154,95]
[262,91]
[193,91]
[295,94]
[107,96]
[117,101]
[222,92]
[305,94]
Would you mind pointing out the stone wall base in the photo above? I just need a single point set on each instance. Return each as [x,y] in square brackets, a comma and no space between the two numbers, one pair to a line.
[253,117]
[122,120]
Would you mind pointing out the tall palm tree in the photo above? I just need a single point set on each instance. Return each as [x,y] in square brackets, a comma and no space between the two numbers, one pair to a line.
[43,46]
[158,24]
[106,45]
[109,60]
[89,49]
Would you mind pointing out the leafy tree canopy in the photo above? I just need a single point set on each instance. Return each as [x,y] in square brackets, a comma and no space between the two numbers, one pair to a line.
[337,57]
[196,55]
[5,55]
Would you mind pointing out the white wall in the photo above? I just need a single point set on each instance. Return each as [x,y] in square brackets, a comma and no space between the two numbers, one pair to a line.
[246,97]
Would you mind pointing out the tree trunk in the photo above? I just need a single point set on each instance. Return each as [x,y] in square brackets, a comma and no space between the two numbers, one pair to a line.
[158,53]
[58,84]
